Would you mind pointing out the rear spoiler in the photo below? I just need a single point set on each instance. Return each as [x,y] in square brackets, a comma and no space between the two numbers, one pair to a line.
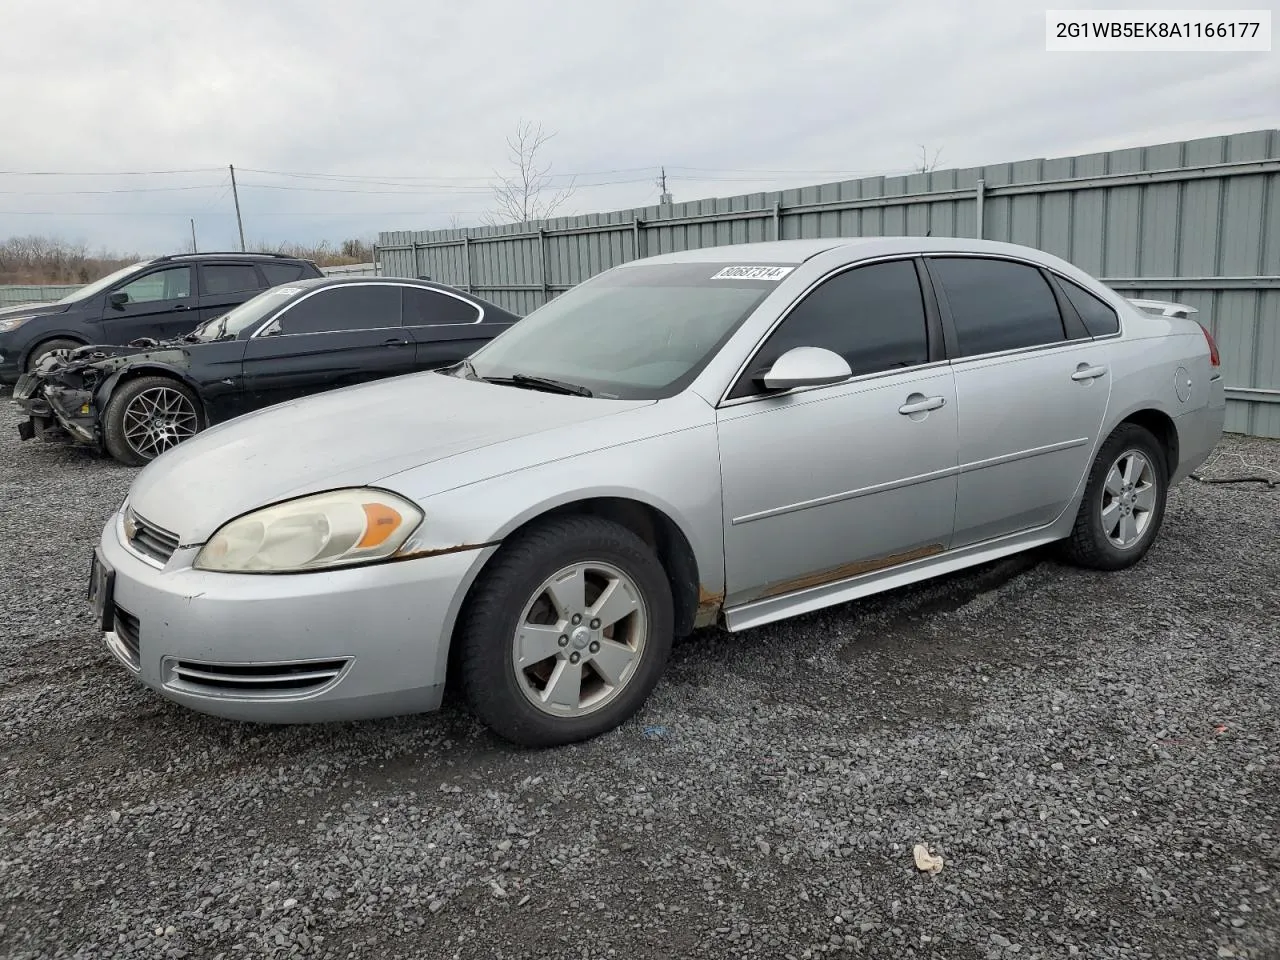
[1164,308]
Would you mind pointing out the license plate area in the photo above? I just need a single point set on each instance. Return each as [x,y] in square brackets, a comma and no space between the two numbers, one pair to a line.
[102,581]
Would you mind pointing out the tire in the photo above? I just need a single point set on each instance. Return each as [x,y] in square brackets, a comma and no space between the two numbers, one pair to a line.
[514,591]
[1092,543]
[178,417]
[41,349]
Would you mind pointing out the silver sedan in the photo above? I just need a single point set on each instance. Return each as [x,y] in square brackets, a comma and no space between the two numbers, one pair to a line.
[731,435]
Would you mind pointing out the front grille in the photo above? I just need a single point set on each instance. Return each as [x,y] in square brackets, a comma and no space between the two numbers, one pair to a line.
[127,629]
[255,679]
[150,540]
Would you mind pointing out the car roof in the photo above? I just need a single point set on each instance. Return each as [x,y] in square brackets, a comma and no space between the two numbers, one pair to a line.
[798,251]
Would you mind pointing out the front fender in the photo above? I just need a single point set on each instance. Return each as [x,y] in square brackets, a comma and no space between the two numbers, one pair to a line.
[102,394]
[676,473]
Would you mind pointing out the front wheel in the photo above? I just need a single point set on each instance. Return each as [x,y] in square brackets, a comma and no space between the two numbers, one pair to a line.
[42,350]
[147,416]
[1123,503]
[567,632]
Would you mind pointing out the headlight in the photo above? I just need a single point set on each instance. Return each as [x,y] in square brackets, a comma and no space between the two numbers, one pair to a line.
[324,530]
[13,323]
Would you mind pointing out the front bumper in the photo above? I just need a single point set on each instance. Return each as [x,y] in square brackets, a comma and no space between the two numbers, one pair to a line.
[59,413]
[289,648]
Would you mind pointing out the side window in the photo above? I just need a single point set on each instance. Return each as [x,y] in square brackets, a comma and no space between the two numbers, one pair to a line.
[220,278]
[428,308]
[873,316]
[1099,319]
[278,273]
[357,307]
[171,284]
[997,305]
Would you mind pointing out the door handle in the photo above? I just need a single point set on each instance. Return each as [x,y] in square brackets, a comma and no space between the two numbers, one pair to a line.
[181,306]
[923,405]
[396,342]
[1085,372]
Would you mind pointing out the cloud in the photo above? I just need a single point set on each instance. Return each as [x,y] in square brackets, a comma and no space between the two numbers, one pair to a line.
[403,89]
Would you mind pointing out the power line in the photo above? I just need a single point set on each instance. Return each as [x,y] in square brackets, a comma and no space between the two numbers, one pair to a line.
[77,193]
[103,173]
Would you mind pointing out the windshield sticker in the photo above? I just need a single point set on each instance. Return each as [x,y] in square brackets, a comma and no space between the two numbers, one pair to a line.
[752,273]
[285,291]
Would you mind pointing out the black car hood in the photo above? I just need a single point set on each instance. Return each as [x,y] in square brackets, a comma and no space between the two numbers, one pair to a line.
[34,309]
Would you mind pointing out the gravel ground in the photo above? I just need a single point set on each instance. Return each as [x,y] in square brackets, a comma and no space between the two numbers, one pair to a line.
[1093,756]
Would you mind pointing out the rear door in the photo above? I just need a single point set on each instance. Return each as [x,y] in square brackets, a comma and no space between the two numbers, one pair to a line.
[444,328]
[1031,388]
[334,337]
[161,303]
[224,286]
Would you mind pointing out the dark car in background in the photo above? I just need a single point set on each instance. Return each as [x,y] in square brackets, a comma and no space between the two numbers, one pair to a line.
[160,298]
[287,342]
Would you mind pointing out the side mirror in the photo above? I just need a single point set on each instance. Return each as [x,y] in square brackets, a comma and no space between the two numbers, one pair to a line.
[118,299]
[805,367]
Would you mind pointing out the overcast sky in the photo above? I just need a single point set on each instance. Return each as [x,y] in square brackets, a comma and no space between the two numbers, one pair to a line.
[420,95]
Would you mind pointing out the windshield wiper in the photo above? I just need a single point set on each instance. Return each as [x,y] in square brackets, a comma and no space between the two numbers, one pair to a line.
[545,383]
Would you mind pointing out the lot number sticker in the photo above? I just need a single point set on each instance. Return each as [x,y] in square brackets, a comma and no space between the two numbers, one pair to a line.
[752,273]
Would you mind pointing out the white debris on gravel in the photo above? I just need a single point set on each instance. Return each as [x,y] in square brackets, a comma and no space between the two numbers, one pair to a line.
[1095,755]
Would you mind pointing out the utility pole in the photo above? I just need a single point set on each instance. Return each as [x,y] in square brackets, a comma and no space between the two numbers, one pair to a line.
[665,198]
[236,196]
[194,248]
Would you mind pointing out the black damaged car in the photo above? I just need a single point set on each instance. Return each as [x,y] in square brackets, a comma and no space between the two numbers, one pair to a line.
[290,341]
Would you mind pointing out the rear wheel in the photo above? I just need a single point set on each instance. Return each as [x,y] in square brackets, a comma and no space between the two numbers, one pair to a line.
[43,349]
[147,416]
[567,632]
[1123,503]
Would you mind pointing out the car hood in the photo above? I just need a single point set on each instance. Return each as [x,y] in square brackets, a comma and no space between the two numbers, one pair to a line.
[34,309]
[349,437]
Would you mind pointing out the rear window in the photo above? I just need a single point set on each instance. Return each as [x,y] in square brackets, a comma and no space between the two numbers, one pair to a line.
[277,273]
[1099,319]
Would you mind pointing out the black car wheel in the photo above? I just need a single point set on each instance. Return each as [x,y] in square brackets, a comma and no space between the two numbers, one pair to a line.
[147,416]
[41,350]
[567,632]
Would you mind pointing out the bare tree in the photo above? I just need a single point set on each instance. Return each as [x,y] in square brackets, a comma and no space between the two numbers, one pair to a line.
[457,221]
[530,191]
[925,165]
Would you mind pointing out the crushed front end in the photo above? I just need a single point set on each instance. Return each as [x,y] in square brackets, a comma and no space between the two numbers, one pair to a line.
[57,397]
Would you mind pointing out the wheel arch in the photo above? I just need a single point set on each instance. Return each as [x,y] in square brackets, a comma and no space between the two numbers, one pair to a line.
[1162,426]
[694,604]
[108,387]
[46,338]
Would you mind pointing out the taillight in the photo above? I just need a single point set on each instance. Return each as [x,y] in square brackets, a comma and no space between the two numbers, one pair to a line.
[1214,359]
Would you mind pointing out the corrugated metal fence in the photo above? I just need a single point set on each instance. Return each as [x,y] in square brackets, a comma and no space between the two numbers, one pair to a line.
[13,294]
[1198,222]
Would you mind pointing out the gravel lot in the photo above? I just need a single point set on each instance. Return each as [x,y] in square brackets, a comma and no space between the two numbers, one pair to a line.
[1093,756]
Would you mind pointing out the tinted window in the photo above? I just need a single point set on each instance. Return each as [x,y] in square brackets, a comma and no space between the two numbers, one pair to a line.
[218,278]
[171,284]
[362,307]
[872,316]
[998,305]
[280,272]
[427,308]
[1099,319]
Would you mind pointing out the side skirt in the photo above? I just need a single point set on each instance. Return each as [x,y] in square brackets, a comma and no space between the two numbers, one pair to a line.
[757,613]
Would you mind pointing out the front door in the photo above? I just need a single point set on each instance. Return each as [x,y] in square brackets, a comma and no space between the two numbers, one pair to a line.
[830,483]
[1032,402]
[158,304]
[335,337]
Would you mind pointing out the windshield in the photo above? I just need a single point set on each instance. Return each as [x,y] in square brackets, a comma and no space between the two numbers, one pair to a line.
[98,285]
[638,333]
[246,316]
